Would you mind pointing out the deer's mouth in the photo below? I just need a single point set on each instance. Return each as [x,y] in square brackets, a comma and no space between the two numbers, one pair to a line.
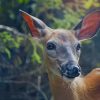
[72,75]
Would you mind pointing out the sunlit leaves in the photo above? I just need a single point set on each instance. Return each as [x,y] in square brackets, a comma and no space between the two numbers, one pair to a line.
[32,50]
[8,42]
[70,19]
[50,3]
[37,51]
[90,3]
[23,1]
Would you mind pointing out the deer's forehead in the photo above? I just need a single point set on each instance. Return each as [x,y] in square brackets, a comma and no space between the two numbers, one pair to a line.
[63,36]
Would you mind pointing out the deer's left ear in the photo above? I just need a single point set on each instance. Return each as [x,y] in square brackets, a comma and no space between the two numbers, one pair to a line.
[37,27]
[89,26]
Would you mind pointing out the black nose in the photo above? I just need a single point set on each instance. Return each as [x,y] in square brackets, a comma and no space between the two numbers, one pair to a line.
[70,71]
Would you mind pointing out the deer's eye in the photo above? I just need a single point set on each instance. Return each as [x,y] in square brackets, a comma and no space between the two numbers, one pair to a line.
[51,46]
[78,46]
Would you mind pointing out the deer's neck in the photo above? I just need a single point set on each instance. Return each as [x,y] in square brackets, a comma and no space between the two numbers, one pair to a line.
[62,90]
[65,90]
[81,88]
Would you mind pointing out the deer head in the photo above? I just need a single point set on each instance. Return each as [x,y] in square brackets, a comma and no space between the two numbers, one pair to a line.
[62,47]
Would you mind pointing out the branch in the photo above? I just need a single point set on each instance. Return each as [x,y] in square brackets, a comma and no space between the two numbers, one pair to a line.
[14,31]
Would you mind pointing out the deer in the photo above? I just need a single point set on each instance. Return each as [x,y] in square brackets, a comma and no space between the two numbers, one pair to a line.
[62,49]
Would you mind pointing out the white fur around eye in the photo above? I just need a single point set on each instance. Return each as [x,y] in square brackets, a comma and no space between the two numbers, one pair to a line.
[51,53]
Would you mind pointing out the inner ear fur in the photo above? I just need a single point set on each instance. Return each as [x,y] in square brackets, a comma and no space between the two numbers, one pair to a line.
[36,26]
[88,26]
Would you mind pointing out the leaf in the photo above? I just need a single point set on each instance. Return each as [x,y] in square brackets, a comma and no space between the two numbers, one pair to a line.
[6,50]
[37,58]
[23,1]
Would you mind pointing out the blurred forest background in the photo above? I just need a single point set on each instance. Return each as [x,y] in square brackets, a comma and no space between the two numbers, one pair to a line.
[21,73]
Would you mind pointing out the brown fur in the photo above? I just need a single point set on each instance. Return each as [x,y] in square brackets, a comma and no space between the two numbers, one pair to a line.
[80,88]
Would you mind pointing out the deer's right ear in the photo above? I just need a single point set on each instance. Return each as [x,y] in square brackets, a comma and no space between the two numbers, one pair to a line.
[37,27]
[88,26]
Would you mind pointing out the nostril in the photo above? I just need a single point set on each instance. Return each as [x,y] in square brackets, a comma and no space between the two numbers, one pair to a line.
[76,70]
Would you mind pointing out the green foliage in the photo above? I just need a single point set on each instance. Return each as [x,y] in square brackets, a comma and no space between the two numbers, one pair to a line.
[70,19]
[22,1]
[90,3]
[38,49]
[50,3]
[7,42]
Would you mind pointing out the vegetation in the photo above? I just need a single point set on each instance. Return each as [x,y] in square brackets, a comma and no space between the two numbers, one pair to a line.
[21,74]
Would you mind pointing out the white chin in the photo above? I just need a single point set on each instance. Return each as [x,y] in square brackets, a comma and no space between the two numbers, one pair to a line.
[68,79]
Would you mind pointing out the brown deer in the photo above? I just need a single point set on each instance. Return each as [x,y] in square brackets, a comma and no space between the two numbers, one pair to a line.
[62,52]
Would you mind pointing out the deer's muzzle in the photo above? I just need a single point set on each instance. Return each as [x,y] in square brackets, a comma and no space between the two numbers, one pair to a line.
[70,70]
